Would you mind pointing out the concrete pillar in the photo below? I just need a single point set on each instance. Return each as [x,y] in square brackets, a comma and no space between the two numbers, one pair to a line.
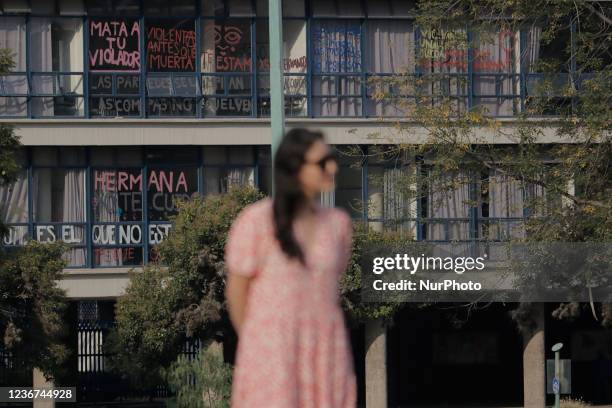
[376,364]
[375,198]
[39,381]
[534,361]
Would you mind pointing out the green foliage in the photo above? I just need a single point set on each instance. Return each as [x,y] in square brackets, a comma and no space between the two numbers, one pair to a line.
[32,306]
[572,146]
[183,298]
[202,382]
[350,284]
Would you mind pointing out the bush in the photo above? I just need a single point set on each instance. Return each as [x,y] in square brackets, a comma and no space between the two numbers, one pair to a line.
[202,382]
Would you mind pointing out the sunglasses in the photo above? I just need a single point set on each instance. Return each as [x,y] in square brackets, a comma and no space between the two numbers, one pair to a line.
[322,162]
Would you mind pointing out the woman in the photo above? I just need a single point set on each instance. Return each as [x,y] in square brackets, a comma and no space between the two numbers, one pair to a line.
[284,258]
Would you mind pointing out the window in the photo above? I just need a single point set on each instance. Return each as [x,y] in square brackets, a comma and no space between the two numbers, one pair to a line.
[547,64]
[58,196]
[171,60]
[348,181]
[14,85]
[494,65]
[116,202]
[226,67]
[336,53]
[390,50]
[447,208]
[225,167]
[14,210]
[295,66]
[443,61]
[57,63]
[113,7]
[169,7]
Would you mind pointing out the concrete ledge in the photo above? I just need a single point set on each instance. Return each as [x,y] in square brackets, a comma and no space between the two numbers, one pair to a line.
[240,131]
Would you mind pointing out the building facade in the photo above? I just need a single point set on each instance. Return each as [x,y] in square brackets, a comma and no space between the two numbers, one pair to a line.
[125,105]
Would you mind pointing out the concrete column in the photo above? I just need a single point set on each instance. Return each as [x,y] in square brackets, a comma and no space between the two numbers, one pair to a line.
[39,381]
[376,364]
[375,198]
[534,361]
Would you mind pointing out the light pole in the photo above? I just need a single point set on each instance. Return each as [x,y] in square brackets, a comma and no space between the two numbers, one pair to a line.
[556,385]
[277,99]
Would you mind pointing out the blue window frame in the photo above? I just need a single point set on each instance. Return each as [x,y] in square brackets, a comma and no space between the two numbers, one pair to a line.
[209,60]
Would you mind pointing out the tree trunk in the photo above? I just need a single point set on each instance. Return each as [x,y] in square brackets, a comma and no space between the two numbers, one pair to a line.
[376,364]
[39,381]
[534,362]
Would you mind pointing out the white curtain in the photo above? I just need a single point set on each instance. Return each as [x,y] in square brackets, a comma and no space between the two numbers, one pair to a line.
[449,198]
[328,198]
[506,200]
[494,54]
[443,54]
[531,53]
[397,205]
[74,210]
[13,37]
[107,211]
[42,61]
[336,49]
[14,208]
[391,50]
[239,176]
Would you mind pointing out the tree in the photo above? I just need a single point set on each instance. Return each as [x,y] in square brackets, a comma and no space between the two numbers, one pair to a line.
[558,148]
[32,308]
[166,304]
[31,304]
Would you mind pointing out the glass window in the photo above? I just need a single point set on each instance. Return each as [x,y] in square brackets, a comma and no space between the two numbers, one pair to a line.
[226,62]
[58,197]
[169,7]
[222,179]
[390,49]
[14,209]
[171,48]
[295,66]
[494,66]
[13,37]
[348,180]
[212,8]
[390,8]
[57,59]
[117,195]
[116,156]
[165,186]
[172,155]
[443,59]
[116,202]
[13,86]
[241,8]
[113,7]
[336,53]
[170,45]
[71,7]
[14,200]
[345,8]
[226,167]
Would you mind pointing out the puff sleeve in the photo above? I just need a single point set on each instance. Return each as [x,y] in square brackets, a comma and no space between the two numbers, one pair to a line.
[345,229]
[241,255]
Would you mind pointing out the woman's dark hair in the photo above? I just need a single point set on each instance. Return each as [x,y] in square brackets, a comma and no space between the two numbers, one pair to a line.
[288,194]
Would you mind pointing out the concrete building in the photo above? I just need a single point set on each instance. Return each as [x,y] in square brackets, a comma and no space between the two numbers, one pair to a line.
[123,105]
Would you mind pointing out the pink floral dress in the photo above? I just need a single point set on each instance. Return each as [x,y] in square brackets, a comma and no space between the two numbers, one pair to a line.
[294,349]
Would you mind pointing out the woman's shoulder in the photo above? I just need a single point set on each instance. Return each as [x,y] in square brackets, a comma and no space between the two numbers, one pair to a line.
[339,216]
[258,210]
